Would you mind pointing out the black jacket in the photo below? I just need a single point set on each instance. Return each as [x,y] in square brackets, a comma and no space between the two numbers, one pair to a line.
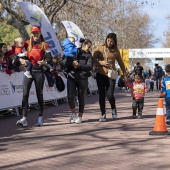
[158,72]
[85,64]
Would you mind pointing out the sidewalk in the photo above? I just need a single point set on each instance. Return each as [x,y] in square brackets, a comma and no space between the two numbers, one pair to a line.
[113,145]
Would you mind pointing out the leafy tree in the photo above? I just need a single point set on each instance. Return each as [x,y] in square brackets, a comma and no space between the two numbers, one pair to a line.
[7,33]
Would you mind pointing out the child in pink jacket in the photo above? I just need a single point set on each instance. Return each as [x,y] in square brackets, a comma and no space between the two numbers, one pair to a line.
[138,90]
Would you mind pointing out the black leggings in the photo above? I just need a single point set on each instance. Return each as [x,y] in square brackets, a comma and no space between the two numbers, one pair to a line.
[137,104]
[81,85]
[38,78]
[106,87]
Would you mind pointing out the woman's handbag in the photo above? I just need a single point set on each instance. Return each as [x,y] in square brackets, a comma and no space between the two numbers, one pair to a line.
[59,84]
[112,74]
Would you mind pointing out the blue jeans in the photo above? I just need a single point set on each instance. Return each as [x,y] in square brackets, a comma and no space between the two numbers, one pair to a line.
[167,100]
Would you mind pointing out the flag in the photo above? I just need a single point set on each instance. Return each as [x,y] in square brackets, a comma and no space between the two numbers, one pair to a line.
[73,31]
[36,16]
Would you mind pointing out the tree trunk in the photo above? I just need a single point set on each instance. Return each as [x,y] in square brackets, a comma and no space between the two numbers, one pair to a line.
[21,28]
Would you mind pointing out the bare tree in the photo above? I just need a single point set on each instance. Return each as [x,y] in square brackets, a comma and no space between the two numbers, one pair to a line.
[166,44]
[16,18]
[95,18]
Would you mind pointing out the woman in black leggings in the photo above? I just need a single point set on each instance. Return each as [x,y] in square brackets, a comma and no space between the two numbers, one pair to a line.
[36,48]
[83,66]
[105,56]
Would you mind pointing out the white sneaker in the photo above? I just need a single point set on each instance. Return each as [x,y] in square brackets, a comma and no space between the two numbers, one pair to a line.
[78,120]
[28,74]
[73,118]
[40,121]
[114,113]
[22,123]
[103,118]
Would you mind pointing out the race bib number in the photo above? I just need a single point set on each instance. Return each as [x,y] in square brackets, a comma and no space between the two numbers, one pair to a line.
[138,88]
[167,85]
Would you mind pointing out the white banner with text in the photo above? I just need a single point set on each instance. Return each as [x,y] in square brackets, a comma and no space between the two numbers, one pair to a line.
[150,53]
[11,90]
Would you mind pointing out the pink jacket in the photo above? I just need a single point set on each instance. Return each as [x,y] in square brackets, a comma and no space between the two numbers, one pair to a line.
[138,90]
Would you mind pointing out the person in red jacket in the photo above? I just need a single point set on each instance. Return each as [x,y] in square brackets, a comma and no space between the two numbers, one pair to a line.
[36,49]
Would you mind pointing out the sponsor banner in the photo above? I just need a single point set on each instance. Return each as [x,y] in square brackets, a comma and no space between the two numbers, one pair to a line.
[150,53]
[11,91]
[36,16]
[49,93]
[15,83]
[73,31]
[125,57]
[6,97]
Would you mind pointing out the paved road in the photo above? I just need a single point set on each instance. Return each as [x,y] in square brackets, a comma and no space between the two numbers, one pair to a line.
[113,145]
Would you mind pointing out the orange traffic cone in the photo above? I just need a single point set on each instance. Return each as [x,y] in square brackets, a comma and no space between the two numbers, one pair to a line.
[160,125]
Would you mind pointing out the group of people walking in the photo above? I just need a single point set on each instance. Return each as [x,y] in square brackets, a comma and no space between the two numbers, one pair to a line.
[78,63]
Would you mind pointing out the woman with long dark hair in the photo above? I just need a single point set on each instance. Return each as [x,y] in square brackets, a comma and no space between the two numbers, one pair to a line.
[36,48]
[82,65]
[6,65]
[105,56]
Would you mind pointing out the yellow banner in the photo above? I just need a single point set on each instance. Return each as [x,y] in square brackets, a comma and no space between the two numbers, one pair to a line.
[125,57]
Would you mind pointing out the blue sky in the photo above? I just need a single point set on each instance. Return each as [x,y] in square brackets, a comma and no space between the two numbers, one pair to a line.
[158,13]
